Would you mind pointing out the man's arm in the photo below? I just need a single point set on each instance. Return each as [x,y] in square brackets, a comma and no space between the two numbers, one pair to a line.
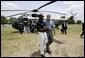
[53,27]
[54,30]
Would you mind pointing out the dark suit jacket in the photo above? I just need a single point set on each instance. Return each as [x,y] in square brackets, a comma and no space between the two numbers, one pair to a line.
[64,26]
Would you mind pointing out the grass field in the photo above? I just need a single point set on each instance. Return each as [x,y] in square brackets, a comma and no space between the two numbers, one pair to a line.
[27,45]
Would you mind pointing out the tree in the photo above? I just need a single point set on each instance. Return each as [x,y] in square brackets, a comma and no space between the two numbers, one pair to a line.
[78,21]
[12,19]
[3,20]
[71,21]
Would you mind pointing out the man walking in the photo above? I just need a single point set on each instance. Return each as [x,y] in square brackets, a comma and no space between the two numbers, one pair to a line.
[50,25]
[41,28]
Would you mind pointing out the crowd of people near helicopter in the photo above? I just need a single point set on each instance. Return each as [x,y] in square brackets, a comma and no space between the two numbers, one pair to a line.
[25,27]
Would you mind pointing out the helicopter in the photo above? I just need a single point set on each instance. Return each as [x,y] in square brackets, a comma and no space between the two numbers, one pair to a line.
[25,15]
[72,17]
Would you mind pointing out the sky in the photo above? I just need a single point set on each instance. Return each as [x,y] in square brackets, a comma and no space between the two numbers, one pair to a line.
[58,6]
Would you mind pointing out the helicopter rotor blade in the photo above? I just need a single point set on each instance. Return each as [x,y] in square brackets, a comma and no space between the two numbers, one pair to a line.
[35,10]
[15,10]
[16,14]
[54,12]
[71,13]
[46,4]
[75,14]
[74,18]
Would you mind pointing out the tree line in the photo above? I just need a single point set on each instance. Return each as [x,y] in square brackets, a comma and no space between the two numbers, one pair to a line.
[4,20]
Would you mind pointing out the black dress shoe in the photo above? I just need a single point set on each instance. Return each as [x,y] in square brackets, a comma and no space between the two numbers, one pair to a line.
[48,51]
[42,55]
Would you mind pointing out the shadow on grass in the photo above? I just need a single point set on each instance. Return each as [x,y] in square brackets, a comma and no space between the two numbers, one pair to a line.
[57,41]
[36,54]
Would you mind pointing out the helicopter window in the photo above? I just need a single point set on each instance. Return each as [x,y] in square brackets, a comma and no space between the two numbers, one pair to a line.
[35,15]
[25,19]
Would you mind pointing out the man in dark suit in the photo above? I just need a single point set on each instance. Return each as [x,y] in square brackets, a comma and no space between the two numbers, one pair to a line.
[64,28]
[32,28]
[21,27]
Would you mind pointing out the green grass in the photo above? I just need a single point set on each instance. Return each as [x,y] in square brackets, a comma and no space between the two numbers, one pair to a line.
[15,44]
